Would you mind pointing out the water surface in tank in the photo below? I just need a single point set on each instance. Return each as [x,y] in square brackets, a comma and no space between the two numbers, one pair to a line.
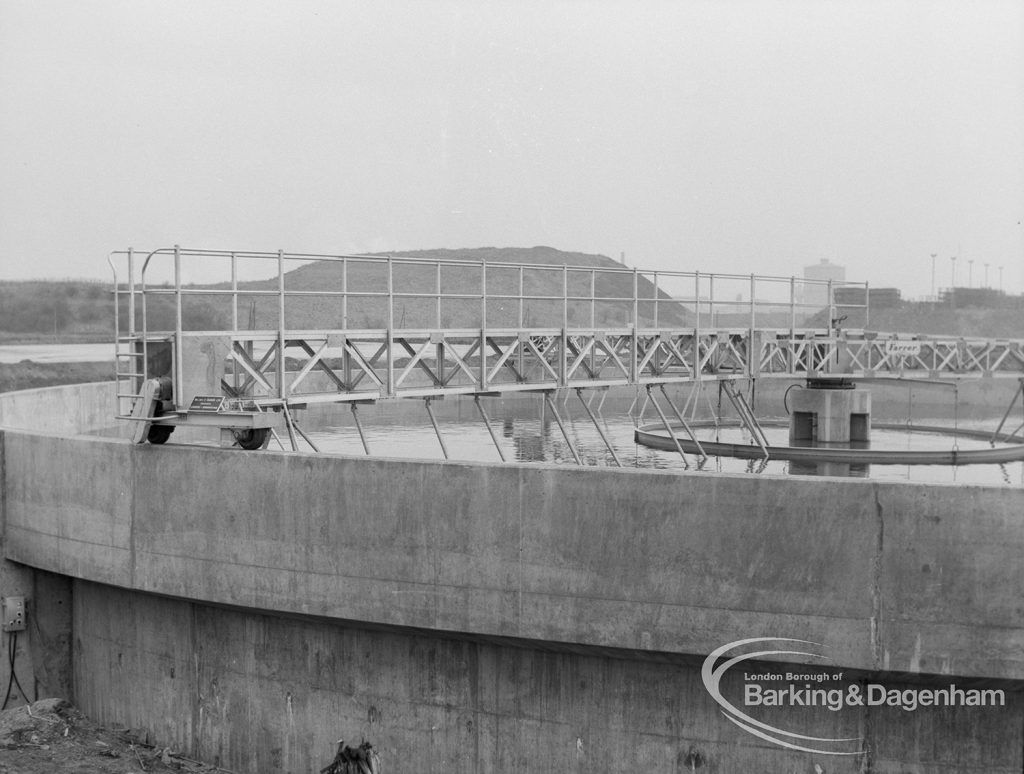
[527,431]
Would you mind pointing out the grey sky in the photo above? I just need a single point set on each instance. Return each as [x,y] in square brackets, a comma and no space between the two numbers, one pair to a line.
[722,136]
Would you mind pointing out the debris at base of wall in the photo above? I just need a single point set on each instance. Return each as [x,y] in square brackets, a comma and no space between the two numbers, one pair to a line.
[353,760]
[50,736]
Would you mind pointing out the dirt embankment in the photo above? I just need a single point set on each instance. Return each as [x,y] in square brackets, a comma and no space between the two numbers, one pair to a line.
[936,320]
[28,375]
[52,737]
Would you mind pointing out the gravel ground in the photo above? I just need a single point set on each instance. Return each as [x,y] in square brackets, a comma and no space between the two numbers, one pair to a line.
[52,737]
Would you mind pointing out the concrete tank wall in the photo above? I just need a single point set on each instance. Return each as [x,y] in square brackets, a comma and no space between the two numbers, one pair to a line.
[898,576]
[42,651]
[266,693]
[65,410]
[506,610]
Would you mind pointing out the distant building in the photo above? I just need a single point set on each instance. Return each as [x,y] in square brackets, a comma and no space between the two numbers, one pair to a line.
[984,298]
[826,270]
[877,298]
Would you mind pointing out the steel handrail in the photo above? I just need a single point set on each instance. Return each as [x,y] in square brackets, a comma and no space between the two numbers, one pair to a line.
[648,303]
[658,297]
[458,262]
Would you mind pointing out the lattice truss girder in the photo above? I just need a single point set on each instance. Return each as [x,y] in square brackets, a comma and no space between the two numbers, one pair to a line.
[954,356]
[472,361]
[875,356]
[785,354]
[480,361]
[252,365]
[417,361]
[671,353]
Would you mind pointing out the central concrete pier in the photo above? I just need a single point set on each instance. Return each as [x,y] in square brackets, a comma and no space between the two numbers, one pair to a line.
[828,413]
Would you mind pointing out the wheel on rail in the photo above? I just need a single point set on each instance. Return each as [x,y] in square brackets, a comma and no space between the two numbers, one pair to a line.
[253,439]
[162,395]
[159,434]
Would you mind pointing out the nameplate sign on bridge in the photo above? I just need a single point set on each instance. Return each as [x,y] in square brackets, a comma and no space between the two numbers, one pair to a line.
[207,403]
[903,348]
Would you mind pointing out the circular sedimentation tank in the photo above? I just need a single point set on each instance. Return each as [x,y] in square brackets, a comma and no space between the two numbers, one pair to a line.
[830,422]
[932,442]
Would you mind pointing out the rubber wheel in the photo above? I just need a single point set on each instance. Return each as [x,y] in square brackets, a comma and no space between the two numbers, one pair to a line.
[251,440]
[159,434]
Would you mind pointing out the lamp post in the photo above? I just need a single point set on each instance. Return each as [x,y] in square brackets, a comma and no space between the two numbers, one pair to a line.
[986,275]
[970,272]
[934,255]
[952,283]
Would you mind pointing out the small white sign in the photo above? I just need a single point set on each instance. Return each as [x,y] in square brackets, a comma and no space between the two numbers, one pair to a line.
[903,348]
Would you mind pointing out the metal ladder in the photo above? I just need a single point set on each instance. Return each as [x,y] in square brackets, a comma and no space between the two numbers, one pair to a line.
[129,362]
[129,374]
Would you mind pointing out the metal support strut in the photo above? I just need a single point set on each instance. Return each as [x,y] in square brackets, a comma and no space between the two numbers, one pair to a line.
[684,423]
[611,449]
[1013,400]
[565,434]
[290,426]
[291,423]
[273,432]
[437,430]
[359,427]
[487,424]
[746,416]
[668,427]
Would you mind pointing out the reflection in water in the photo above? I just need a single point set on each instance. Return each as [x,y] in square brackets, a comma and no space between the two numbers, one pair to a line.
[529,447]
[842,469]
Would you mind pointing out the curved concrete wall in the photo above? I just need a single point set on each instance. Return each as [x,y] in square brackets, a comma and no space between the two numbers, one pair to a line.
[266,693]
[42,652]
[649,565]
[891,576]
[65,410]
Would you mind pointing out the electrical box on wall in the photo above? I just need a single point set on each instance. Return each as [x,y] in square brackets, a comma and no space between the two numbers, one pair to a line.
[14,614]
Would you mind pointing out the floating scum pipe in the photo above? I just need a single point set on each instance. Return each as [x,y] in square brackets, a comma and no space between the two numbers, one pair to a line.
[649,436]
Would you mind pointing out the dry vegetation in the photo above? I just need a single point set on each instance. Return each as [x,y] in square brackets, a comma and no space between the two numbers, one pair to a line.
[52,737]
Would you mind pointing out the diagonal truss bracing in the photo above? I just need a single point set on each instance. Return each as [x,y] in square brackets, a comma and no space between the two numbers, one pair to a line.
[560,327]
[339,366]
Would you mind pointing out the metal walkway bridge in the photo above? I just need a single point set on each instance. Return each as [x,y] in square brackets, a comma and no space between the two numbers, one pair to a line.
[278,330]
